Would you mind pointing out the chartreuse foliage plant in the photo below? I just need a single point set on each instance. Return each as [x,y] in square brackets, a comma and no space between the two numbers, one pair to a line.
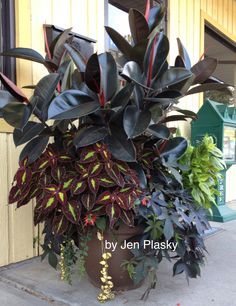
[201,174]
[99,155]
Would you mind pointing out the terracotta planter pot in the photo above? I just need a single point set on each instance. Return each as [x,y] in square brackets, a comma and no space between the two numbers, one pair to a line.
[120,277]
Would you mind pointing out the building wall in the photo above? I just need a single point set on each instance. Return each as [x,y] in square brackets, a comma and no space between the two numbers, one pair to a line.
[186,21]
[87,18]
[17,232]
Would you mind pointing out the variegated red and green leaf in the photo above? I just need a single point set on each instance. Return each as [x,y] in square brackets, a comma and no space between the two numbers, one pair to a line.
[113,172]
[113,211]
[59,224]
[61,197]
[52,189]
[106,155]
[106,181]
[122,201]
[123,167]
[127,217]
[16,194]
[104,198]
[93,184]
[67,183]
[23,176]
[95,169]
[33,192]
[102,150]
[49,203]
[81,168]
[88,156]
[58,173]
[64,158]
[41,164]
[72,211]
[78,187]
[88,200]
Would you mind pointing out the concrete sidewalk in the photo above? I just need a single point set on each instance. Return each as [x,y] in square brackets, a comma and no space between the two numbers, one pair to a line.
[35,283]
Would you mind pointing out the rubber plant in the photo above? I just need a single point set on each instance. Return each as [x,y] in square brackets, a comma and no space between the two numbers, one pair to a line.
[96,154]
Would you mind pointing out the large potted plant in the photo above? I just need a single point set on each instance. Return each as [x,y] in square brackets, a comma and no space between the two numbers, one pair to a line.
[100,160]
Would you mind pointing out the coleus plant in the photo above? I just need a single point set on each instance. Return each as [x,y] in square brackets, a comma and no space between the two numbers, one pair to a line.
[109,144]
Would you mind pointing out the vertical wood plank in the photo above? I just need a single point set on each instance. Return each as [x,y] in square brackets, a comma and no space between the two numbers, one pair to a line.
[4,222]
[234,18]
[79,16]
[61,13]
[173,17]
[100,30]
[225,14]
[214,9]
[23,39]
[230,16]
[43,15]
[209,7]
[92,18]
[20,220]
[220,7]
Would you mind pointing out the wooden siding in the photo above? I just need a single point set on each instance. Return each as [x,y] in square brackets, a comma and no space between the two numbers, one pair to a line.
[186,21]
[87,18]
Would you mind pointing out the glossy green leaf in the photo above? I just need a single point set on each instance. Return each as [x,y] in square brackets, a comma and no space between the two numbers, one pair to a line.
[132,72]
[138,26]
[156,15]
[109,75]
[175,146]
[16,114]
[31,130]
[25,53]
[184,54]
[156,54]
[173,76]
[135,121]
[204,69]
[5,98]
[34,148]
[120,42]
[121,99]
[71,104]
[77,57]
[89,135]
[175,118]
[93,74]
[120,147]
[12,88]
[60,46]
[45,90]
[207,86]
[159,130]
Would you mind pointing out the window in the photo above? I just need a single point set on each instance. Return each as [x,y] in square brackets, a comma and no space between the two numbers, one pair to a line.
[219,47]
[7,38]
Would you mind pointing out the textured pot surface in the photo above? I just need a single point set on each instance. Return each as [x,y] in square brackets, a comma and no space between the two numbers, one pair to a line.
[120,277]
